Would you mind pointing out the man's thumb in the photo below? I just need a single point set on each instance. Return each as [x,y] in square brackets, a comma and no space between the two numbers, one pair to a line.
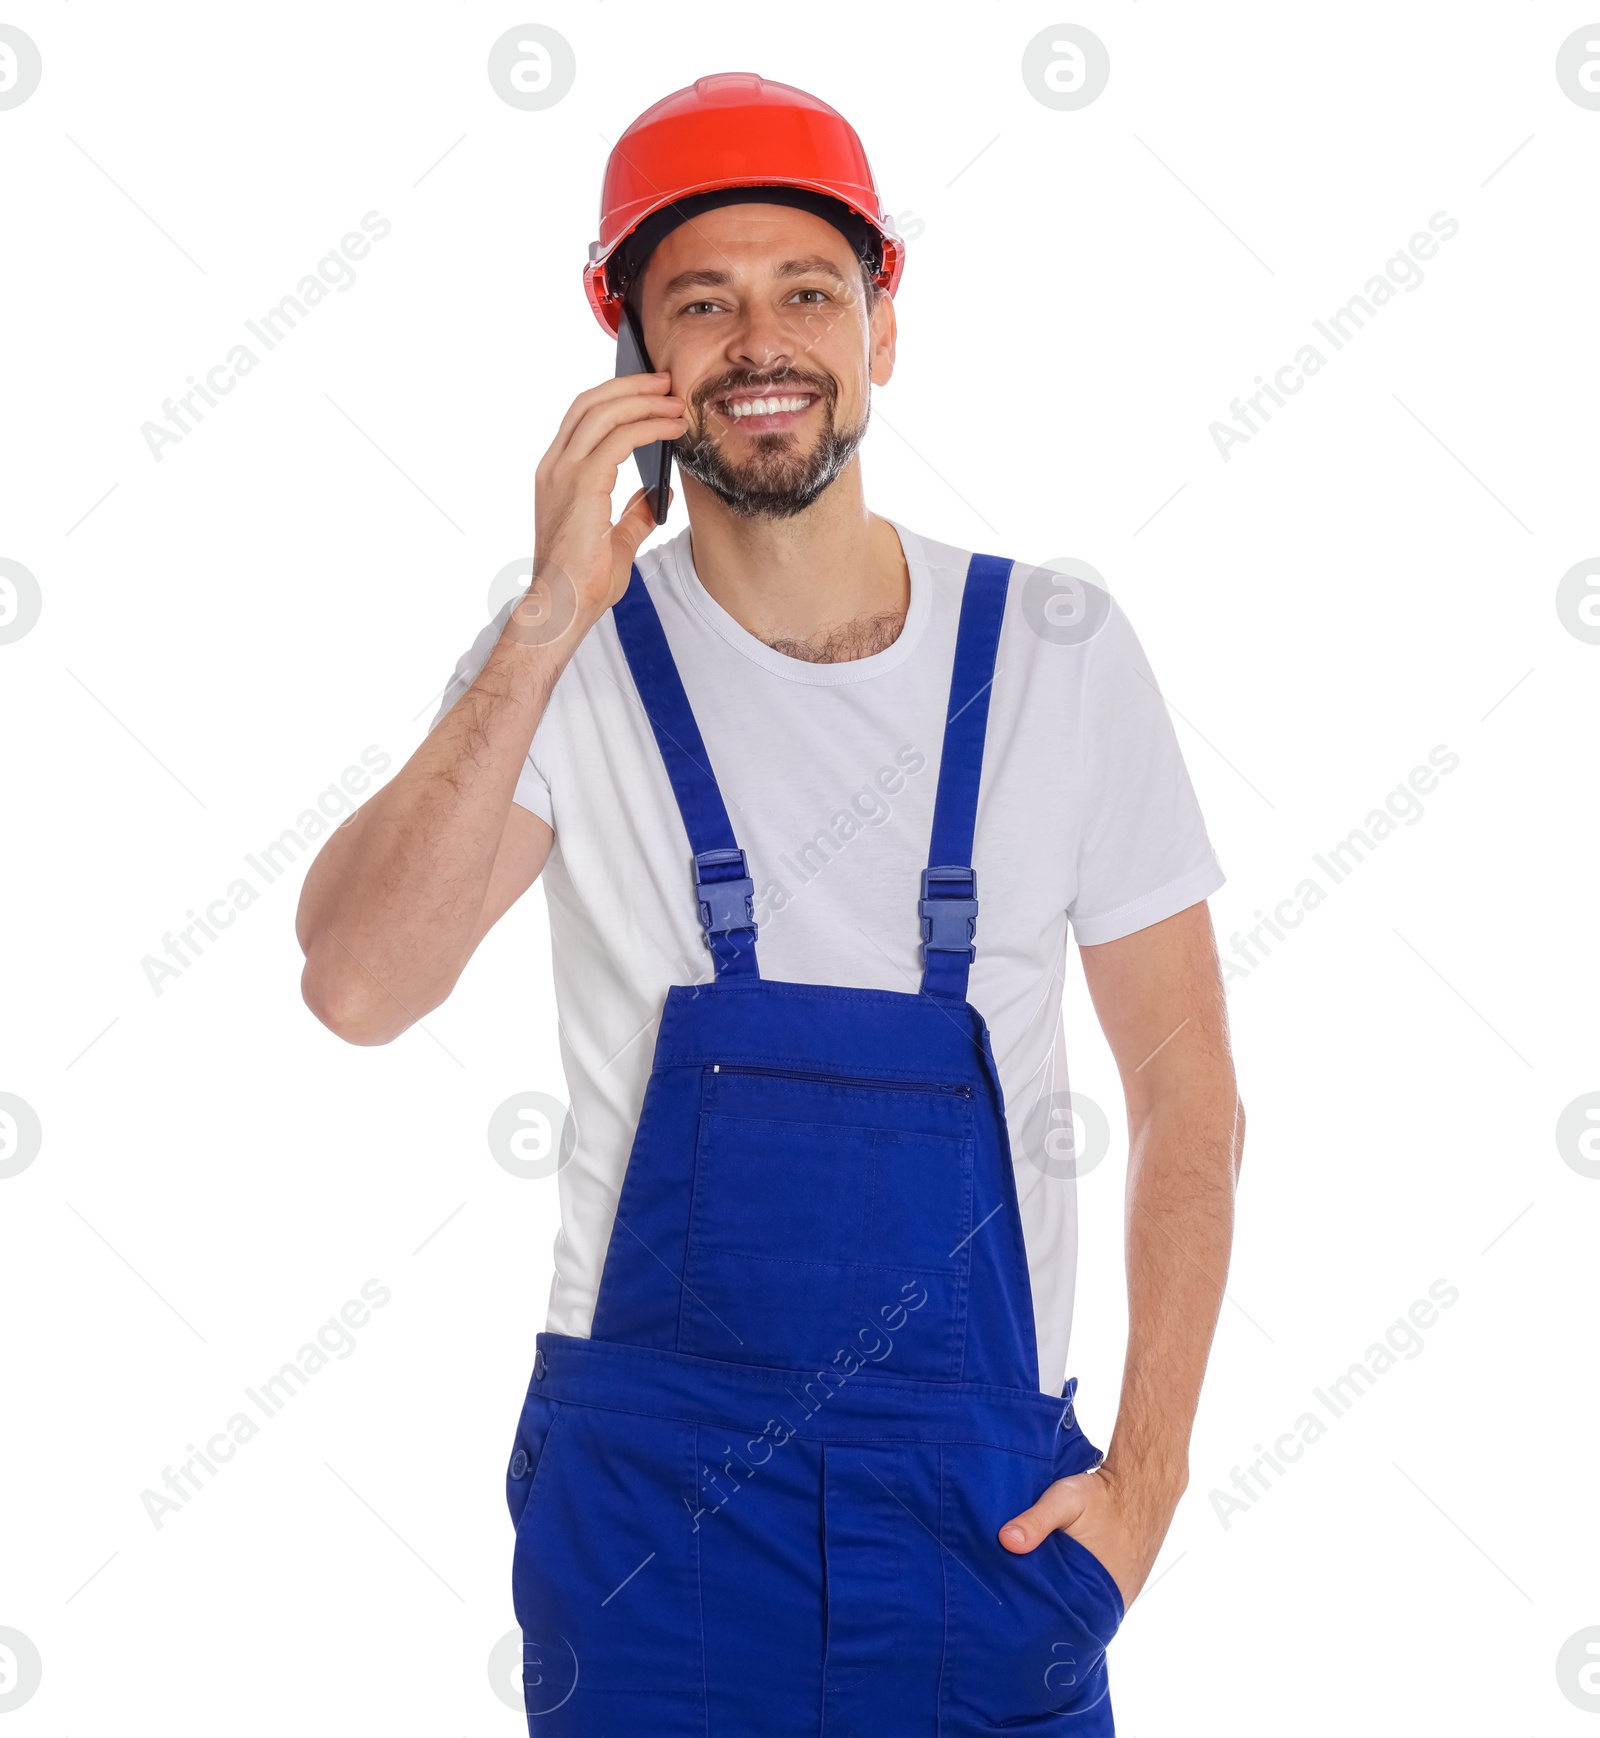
[636,523]
[1060,1506]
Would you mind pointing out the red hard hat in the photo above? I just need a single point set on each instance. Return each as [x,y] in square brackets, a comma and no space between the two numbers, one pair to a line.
[733,129]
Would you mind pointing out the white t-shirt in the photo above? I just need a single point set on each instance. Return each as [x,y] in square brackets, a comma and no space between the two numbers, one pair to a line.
[1085,814]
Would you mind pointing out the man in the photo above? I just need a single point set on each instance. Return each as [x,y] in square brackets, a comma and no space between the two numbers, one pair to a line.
[795,1456]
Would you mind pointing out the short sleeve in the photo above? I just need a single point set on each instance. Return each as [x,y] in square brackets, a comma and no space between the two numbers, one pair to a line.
[1143,852]
[533,790]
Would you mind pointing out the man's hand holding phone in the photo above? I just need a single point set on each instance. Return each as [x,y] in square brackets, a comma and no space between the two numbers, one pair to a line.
[581,560]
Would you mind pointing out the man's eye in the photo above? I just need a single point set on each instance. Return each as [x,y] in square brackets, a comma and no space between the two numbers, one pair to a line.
[821,294]
[693,305]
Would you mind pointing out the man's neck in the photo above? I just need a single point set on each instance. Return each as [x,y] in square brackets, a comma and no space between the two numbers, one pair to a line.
[828,585]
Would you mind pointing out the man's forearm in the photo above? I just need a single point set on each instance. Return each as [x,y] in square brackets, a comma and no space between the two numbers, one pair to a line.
[390,908]
[1182,1168]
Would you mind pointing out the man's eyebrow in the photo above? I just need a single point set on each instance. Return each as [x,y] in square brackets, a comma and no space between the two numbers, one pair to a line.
[708,277]
[702,277]
[800,268]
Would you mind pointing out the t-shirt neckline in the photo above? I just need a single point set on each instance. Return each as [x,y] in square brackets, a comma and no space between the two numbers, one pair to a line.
[680,567]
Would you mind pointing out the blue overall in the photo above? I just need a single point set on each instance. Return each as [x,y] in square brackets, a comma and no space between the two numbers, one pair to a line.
[763,1496]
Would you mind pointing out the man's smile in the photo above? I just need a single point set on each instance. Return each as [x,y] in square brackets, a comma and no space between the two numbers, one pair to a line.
[760,410]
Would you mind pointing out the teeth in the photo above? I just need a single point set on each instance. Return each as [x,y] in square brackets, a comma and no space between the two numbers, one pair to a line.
[765,406]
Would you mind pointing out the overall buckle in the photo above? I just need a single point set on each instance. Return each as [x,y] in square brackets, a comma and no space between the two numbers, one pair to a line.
[727,901]
[949,910]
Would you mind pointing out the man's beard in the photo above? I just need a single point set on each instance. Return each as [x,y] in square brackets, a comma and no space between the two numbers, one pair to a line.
[778,481]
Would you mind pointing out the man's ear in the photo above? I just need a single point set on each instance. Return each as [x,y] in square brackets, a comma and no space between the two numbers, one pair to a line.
[881,337]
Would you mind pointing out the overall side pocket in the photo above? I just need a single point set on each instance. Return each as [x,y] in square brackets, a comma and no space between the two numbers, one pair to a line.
[606,1578]
[527,1453]
[1103,1598]
[1097,1587]
[1026,1633]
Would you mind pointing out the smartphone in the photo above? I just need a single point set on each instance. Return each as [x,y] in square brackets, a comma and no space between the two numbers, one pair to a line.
[655,460]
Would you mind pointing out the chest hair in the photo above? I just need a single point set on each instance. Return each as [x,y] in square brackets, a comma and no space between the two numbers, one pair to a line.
[861,638]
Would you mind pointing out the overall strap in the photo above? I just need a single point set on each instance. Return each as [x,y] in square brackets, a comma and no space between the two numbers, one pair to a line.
[723,888]
[949,904]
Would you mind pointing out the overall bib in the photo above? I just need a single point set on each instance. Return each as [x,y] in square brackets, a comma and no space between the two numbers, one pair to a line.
[763,1497]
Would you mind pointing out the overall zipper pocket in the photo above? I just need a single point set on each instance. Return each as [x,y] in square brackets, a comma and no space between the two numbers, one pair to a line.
[841,1079]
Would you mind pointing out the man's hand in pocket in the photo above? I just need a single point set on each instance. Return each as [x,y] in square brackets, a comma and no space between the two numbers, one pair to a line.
[1121,1521]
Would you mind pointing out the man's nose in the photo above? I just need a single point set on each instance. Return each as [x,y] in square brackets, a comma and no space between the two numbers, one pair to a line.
[762,343]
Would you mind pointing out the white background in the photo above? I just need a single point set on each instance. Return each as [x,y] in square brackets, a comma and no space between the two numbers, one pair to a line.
[1372,575]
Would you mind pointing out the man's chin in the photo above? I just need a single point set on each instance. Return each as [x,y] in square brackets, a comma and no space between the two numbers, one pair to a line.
[760,495]
[770,487]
